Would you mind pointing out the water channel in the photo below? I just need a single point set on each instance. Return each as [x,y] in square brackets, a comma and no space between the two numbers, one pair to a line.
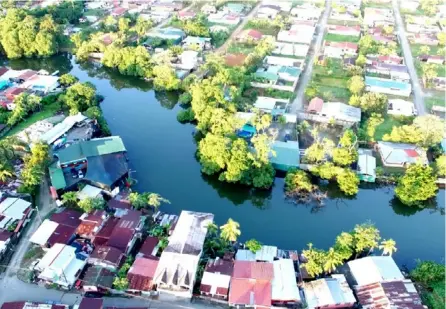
[162,155]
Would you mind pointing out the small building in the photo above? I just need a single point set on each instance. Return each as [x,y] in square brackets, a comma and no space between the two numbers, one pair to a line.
[284,61]
[393,294]
[339,49]
[306,12]
[90,303]
[271,106]
[50,233]
[224,18]
[268,11]
[186,15]
[345,30]
[127,231]
[12,92]
[15,214]
[107,257]
[197,42]
[61,128]
[366,165]
[284,284]
[234,7]
[390,59]
[387,86]
[141,275]
[97,279]
[436,59]
[250,35]
[91,223]
[398,72]
[401,107]
[118,12]
[289,49]
[277,77]
[189,59]
[332,292]
[179,261]
[216,278]
[33,305]
[337,111]
[287,155]
[266,254]
[105,233]
[400,155]
[376,16]
[297,34]
[42,83]
[374,269]
[423,39]
[208,9]
[245,255]
[61,265]
[149,248]
[170,34]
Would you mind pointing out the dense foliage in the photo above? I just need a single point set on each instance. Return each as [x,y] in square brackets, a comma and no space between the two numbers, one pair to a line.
[431,276]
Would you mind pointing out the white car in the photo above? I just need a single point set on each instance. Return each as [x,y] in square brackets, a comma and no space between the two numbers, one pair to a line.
[80,174]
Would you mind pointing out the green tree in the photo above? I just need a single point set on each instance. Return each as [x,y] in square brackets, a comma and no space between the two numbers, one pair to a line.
[440,164]
[430,128]
[155,200]
[428,272]
[141,27]
[348,181]
[403,134]
[239,162]
[388,246]
[123,24]
[417,185]
[89,204]
[366,237]
[6,171]
[79,97]
[298,180]
[356,84]
[70,198]
[253,245]
[137,200]
[429,72]
[425,50]
[68,80]
[344,245]
[361,60]
[373,102]
[441,36]
[332,260]
[318,151]
[121,284]
[230,231]
[315,261]
[213,153]
[165,78]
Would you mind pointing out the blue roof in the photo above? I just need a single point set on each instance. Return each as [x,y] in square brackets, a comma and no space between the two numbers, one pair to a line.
[386,83]
[287,155]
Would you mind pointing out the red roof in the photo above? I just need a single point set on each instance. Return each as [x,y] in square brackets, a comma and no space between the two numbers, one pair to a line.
[220,266]
[315,105]
[112,255]
[27,74]
[411,153]
[3,70]
[13,91]
[91,303]
[394,59]
[148,246]
[119,204]
[5,235]
[120,238]
[253,270]
[13,305]
[104,234]
[186,13]
[68,217]
[255,34]
[250,292]
[345,28]
[61,235]
[119,11]
[141,274]
[342,45]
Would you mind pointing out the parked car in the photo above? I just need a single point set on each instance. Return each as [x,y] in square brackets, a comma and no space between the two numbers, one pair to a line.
[80,174]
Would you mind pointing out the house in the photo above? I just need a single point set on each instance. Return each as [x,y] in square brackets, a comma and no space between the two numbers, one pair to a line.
[306,12]
[439,83]
[385,40]
[185,15]
[277,77]
[387,86]
[400,155]
[102,160]
[374,269]
[332,292]
[91,223]
[50,233]
[127,231]
[141,274]
[224,18]
[287,155]
[61,265]
[107,257]
[5,240]
[166,6]
[189,60]
[297,34]
[251,284]
[366,165]
[197,42]
[289,49]
[401,107]
[12,92]
[397,72]
[284,61]
[339,49]
[245,255]
[234,60]
[32,305]
[391,59]
[284,284]
[268,11]
[25,75]
[422,28]
[250,35]
[334,110]
[208,9]
[345,30]
[61,128]
[15,213]
[377,16]
[171,34]
[271,106]
[42,83]
[179,261]
[90,303]
[149,248]
[423,39]
[97,279]
[393,294]
[105,233]
[68,217]
[118,11]
[216,278]
[234,7]
[436,59]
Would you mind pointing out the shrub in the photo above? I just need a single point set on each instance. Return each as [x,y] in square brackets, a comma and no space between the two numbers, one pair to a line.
[186,115]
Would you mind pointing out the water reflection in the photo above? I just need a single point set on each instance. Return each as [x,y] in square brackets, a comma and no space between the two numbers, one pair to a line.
[62,63]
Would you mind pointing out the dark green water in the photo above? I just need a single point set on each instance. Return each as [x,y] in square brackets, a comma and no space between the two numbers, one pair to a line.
[162,151]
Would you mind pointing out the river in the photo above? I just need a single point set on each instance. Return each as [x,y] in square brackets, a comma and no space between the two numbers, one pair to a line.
[162,155]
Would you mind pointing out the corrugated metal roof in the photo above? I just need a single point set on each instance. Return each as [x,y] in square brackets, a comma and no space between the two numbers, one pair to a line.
[250,292]
[373,269]
[284,284]
[328,292]
[44,232]
[386,83]
[253,270]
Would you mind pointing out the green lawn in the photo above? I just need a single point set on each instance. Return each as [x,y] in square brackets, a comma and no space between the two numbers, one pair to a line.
[338,93]
[46,112]
[239,48]
[415,48]
[340,38]
[94,12]
[434,101]
[343,22]
[265,27]
[386,127]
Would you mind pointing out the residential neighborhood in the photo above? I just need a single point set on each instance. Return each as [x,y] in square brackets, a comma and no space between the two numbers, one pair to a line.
[295,148]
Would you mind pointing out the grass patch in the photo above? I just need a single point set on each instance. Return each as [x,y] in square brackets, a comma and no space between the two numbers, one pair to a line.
[415,48]
[264,27]
[46,112]
[429,102]
[94,12]
[240,48]
[341,38]
[343,22]
[386,127]
[338,93]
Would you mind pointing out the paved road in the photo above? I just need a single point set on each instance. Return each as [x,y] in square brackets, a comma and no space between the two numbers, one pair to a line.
[306,76]
[416,88]
[239,28]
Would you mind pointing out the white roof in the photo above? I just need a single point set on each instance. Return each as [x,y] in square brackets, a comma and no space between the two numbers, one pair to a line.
[373,269]
[61,128]
[215,280]
[42,81]
[399,153]
[88,191]
[12,209]
[341,111]
[267,102]
[245,116]
[401,107]
[45,230]
[245,255]
[328,291]
[266,253]
[49,256]
[367,164]
[284,285]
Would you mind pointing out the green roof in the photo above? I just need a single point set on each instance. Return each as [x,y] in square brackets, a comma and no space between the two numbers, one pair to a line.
[287,155]
[91,148]
[57,177]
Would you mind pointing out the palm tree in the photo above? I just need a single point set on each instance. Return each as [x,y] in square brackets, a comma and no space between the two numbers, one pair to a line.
[212,229]
[388,246]
[230,231]
[155,200]
[332,260]
[6,171]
